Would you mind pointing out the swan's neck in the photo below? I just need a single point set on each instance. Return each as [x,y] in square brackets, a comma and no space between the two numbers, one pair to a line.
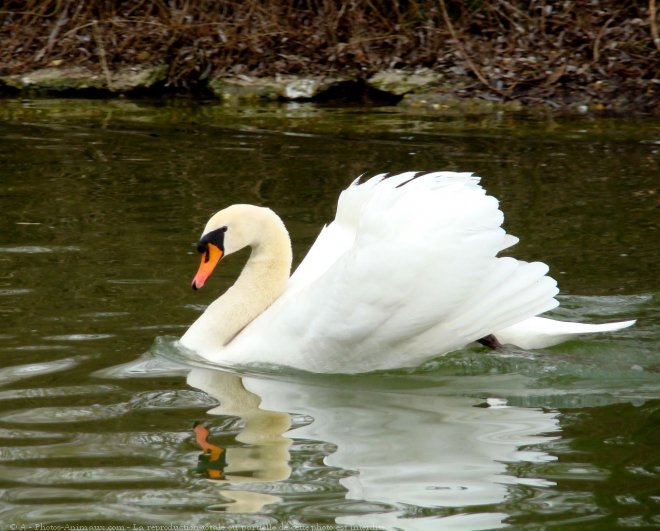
[261,282]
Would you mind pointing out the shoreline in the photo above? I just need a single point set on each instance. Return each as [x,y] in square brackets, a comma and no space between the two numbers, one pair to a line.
[420,88]
[601,57]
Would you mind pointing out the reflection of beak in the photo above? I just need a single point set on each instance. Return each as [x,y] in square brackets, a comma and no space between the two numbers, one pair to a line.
[209,260]
[212,461]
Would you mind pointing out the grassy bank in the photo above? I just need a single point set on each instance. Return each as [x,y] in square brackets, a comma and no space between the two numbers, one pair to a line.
[555,53]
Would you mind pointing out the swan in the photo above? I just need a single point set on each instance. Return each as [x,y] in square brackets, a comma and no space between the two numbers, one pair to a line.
[407,271]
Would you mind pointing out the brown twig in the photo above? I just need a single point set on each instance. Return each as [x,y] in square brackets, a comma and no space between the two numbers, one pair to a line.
[601,32]
[463,52]
[654,24]
[34,13]
[101,53]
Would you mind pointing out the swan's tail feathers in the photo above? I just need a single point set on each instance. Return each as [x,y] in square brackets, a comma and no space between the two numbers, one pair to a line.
[540,332]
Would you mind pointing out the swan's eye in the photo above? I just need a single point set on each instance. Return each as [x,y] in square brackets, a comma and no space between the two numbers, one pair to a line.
[216,237]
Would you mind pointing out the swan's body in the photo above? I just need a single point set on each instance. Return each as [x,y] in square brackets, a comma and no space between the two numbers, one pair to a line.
[407,271]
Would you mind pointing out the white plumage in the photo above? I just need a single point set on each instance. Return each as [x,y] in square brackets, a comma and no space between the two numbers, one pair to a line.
[407,271]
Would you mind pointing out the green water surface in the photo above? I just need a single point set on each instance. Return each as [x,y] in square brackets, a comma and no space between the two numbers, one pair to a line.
[101,204]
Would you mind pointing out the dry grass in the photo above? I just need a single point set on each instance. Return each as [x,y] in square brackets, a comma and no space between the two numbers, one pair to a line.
[547,50]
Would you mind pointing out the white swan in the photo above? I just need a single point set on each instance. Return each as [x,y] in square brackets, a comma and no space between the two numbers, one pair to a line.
[407,271]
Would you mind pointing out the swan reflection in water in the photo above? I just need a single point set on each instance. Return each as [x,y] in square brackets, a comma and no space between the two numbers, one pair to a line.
[399,449]
[265,456]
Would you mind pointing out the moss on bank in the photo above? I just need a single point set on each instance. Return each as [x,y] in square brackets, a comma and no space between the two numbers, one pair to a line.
[604,52]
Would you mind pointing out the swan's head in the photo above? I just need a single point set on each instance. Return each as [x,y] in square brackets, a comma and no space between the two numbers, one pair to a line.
[228,231]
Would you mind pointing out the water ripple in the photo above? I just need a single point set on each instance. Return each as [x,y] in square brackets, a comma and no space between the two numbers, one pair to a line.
[8,292]
[66,415]
[79,337]
[18,372]
[38,249]
[49,392]
[102,475]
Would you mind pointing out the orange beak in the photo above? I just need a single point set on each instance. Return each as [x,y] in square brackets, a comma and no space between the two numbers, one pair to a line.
[210,259]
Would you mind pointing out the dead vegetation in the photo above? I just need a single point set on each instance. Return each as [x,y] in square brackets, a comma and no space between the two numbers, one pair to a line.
[555,52]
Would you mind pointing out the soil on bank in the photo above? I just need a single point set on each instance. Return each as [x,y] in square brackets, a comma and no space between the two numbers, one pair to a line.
[602,52]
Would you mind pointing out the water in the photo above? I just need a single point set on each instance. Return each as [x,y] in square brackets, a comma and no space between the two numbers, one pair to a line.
[102,203]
